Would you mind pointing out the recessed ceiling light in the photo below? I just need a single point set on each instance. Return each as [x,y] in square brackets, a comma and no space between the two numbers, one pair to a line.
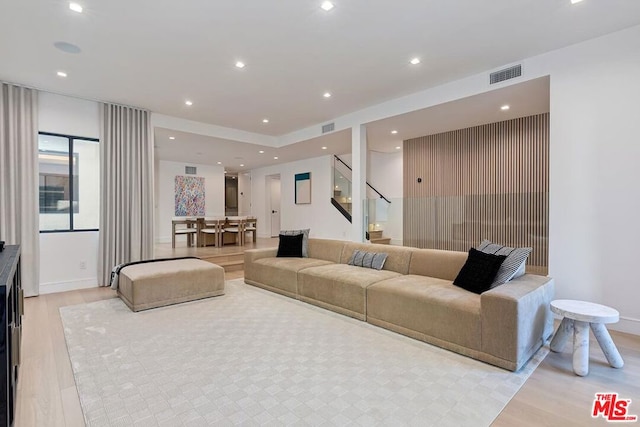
[172,138]
[393,132]
[240,64]
[327,95]
[327,5]
[265,120]
[219,163]
[67,47]
[575,1]
[261,151]
[504,107]
[324,148]
[275,158]
[188,103]
[61,74]
[398,148]
[75,7]
[414,61]
[241,166]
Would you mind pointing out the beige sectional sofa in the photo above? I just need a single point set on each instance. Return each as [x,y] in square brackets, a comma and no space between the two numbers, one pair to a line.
[414,295]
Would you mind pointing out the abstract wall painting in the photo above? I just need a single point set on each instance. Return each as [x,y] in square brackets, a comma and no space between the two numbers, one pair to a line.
[303,188]
[189,196]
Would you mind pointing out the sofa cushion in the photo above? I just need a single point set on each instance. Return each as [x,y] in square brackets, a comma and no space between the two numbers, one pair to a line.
[437,263]
[368,259]
[326,249]
[398,257]
[429,306]
[280,274]
[339,287]
[290,246]
[478,272]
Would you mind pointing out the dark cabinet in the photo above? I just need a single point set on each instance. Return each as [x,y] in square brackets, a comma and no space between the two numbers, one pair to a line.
[11,308]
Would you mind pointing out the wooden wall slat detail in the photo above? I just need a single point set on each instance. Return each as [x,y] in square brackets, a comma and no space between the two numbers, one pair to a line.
[489,181]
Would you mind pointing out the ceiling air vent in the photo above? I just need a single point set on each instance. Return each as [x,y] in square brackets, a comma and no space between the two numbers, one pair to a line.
[506,74]
[190,170]
[328,127]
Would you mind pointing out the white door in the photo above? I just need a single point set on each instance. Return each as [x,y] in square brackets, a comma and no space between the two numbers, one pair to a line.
[273,190]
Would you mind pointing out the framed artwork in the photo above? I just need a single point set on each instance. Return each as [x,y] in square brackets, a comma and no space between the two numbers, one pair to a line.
[189,196]
[303,188]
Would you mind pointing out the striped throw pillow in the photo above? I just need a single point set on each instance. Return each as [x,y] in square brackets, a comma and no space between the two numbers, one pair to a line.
[513,265]
[368,259]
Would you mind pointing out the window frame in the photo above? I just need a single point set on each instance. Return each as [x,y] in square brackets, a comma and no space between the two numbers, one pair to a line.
[70,139]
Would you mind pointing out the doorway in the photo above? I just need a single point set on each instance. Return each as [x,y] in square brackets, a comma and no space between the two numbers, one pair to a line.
[273,190]
[231,194]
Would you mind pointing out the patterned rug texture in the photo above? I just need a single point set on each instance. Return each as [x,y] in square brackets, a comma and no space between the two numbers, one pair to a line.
[252,357]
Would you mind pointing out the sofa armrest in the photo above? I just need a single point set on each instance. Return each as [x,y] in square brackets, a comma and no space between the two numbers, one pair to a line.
[253,255]
[516,318]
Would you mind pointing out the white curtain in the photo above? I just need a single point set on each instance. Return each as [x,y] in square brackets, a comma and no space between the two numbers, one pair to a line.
[19,217]
[126,175]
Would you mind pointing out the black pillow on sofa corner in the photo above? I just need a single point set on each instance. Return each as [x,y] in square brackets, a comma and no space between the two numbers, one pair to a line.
[479,271]
[290,246]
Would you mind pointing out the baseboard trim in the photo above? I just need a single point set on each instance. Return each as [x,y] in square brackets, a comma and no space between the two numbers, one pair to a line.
[628,325]
[72,285]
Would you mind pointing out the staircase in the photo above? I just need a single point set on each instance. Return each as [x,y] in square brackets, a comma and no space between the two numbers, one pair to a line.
[376,237]
[229,261]
[342,189]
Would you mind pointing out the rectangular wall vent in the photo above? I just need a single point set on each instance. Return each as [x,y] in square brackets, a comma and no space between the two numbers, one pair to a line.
[506,74]
[190,170]
[328,127]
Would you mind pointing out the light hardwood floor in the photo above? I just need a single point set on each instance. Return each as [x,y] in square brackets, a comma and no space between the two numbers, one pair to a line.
[552,396]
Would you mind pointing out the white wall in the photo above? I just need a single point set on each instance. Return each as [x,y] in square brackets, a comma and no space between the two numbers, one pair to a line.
[68,260]
[320,216]
[386,175]
[594,174]
[166,173]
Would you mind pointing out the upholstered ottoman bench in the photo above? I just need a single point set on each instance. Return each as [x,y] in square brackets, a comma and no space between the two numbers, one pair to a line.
[156,284]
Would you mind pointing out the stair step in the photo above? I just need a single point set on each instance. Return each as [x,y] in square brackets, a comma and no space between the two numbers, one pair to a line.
[234,265]
[381,240]
[375,234]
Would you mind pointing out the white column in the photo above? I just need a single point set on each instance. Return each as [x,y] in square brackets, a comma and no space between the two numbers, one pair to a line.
[359,179]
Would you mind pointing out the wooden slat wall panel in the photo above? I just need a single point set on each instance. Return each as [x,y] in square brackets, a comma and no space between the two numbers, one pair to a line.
[489,181]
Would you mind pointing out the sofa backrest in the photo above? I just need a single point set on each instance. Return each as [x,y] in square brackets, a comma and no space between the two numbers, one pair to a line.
[326,249]
[397,260]
[437,263]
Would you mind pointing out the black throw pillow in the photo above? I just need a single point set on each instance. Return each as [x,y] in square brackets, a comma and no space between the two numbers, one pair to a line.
[290,246]
[479,271]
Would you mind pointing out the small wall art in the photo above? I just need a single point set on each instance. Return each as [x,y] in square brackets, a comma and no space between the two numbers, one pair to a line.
[303,188]
[189,196]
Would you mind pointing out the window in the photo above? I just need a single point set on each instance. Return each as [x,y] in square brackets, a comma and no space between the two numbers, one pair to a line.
[69,182]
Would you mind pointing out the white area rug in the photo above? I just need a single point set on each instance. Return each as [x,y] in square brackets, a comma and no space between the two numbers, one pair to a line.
[252,357]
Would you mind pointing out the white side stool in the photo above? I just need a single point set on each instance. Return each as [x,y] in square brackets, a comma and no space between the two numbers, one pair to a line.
[576,318]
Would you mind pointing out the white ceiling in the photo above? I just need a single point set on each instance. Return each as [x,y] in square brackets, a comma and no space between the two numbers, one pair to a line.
[524,99]
[157,53]
[193,148]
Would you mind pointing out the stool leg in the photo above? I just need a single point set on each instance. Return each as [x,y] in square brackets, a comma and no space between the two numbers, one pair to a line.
[580,348]
[606,344]
[562,334]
